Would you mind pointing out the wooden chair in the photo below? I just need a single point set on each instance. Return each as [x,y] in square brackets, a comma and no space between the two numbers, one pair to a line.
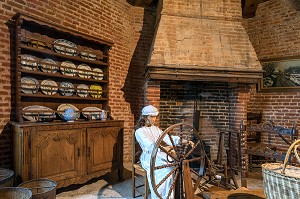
[263,149]
[138,172]
[254,137]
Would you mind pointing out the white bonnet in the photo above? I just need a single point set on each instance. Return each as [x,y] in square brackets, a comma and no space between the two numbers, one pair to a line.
[150,110]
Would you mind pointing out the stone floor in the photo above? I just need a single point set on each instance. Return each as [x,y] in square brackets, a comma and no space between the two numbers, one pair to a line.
[109,187]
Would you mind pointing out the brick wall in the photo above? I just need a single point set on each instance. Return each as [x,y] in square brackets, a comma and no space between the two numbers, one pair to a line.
[275,34]
[179,100]
[115,20]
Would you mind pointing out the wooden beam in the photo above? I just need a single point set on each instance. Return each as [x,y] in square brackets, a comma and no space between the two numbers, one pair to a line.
[251,76]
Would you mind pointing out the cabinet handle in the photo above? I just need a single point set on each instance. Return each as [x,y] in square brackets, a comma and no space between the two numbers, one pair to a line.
[78,152]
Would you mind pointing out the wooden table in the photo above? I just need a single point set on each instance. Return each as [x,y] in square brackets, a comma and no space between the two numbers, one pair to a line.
[241,193]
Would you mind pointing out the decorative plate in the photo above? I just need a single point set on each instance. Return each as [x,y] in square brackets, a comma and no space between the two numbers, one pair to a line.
[82,90]
[95,91]
[49,87]
[29,85]
[66,88]
[37,113]
[84,71]
[66,68]
[37,44]
[28,62]
[88,55]
[61,109]
[94,111]
[65,47]
[98,73]
[48,66]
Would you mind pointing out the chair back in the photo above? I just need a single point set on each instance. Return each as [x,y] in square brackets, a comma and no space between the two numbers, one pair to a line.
[136,150]
[269,127]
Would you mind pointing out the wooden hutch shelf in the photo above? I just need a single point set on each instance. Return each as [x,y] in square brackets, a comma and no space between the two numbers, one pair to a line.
[58,67]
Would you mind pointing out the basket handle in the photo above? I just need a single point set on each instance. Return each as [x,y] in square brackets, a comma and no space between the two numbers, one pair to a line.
[294,146]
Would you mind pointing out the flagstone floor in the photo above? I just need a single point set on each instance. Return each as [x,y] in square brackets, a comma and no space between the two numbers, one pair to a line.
[108,186]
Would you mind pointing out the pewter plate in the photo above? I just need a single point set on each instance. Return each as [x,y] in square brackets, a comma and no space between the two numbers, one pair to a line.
[29,85]
[49,87]
[94,111]
[37,113]
[98,74]
[65,47]
[68,68]
[96,91]
[61,109]
[66,88]
[82,90]
[88,55]
[49,66]
[28,62]
[84,71]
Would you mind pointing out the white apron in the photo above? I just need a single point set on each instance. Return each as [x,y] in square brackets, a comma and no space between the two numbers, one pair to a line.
[146,137]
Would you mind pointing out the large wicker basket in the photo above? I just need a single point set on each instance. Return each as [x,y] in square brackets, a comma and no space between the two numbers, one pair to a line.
[282,181]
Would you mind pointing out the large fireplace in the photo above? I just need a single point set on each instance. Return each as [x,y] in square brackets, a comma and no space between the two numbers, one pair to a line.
[201,61]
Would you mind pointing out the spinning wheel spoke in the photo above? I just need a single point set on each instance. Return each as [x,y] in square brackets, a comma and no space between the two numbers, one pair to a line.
[173,143]
[166,165]
[173,184]
[172,155]
[182,146]
[166,177]
[192,150]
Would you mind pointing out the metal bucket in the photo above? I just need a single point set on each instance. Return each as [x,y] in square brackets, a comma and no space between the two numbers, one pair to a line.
[15,193]
[6,178]
[41,188]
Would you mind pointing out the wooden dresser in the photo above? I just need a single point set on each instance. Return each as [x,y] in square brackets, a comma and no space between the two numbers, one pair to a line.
[67,152]
[59,69]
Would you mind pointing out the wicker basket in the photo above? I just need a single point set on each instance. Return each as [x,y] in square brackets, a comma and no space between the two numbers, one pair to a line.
[282,181]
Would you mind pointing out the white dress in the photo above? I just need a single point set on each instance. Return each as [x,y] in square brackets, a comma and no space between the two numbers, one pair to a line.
[146,137]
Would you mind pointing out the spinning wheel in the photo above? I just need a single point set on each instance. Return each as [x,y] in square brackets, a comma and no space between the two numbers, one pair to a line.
[183,158]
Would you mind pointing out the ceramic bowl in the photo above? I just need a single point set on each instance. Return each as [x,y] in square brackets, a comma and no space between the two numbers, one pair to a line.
[70,115]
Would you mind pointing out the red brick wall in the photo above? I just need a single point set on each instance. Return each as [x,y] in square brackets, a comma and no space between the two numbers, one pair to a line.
[177,104]
[275,33]
[115,20]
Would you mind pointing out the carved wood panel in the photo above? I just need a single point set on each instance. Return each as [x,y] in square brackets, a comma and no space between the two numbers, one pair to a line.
[102,148]
[57,154]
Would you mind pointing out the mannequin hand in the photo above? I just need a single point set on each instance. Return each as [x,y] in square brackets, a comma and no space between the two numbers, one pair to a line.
[169,149]
[191,143]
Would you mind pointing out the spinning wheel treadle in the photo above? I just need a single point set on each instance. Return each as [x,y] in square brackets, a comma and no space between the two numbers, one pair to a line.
[186,159]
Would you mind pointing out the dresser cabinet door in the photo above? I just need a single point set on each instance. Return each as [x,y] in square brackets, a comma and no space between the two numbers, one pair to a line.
[57,154]
[103,148]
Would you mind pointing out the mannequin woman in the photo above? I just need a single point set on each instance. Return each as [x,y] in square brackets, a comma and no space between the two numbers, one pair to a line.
[147,134]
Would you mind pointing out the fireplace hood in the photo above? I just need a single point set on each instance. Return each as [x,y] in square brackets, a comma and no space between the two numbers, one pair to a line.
[202,40]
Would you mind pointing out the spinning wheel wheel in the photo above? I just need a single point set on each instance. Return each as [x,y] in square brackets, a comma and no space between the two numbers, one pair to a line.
[174,163]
